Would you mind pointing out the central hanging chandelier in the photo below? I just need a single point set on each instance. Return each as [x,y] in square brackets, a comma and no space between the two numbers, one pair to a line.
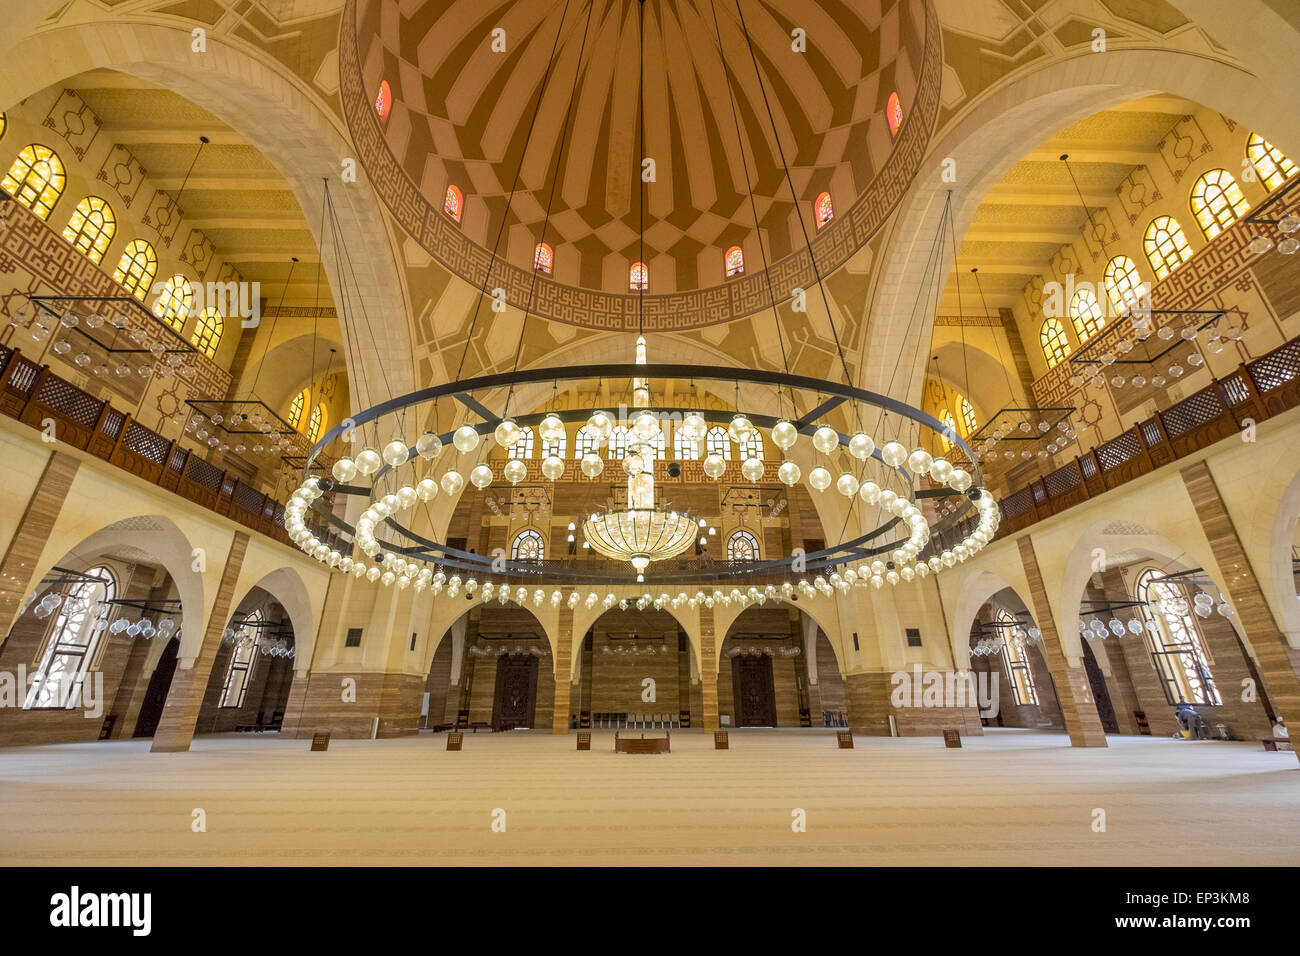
[911,514]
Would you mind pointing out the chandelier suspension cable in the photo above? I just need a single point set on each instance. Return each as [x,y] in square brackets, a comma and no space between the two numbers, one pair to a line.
[1098,233]
[1006,375]
[555,182]
[643,281]
[203,141]
[505,215]
[961,315]
[257,373]
[753,205]
[794,198]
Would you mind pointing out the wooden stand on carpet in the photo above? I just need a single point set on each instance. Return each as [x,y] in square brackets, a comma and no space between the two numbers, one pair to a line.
[320,741]
[584,741]
[845,739]
[454,740]
[951,738]
[720,740]
[641,745]
[1270,743]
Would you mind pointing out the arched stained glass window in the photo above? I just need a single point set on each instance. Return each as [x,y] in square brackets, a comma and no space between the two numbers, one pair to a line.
[638,277]
[207,334]
[136,269]
[618,442]
[684,449]
[1124,285]
[1217,202]
[1051,337]
[823,209]
[91,228]
[894,110]
[454,204]
[1271,164]
[543,258]
[383,101]
[1016,658]
[742,547]
[73,641]
[295,408]
[316,424]
[586,442]
[1086,314]
[950,429]
[735,261]
[718,442]
[36,179]
[175,302]
[752,447]
[556,448]
[242,658]
[1165,245]
[528,546]
[1175,641]
[524,447]
[966,411]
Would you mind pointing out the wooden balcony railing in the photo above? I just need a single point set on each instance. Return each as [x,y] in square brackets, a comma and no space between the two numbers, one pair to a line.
[32,393]
[1257,390]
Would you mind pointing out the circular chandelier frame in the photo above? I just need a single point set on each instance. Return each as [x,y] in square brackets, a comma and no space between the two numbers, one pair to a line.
[871,544]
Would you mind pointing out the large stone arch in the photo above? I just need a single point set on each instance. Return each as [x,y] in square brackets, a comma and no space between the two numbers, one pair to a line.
[1027,109]
[293,129]
[302,604]
[963,599]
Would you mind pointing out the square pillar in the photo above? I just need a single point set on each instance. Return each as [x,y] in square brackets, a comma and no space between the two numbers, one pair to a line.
[185,698]
[1073,691]
[708,669]
[563,671]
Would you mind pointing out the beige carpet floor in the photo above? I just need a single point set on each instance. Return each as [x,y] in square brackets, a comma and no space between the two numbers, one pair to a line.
[1011,797]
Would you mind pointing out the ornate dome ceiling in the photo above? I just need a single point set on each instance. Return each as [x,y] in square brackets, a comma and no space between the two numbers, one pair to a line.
[461,113]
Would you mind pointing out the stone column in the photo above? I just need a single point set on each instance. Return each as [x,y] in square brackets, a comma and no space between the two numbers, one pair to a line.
[1072,688]
[708,669]
[29,538]
[563,671]
[1272,654]
[185,698]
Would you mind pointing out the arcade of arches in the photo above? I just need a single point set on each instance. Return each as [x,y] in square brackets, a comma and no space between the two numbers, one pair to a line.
[1081,263]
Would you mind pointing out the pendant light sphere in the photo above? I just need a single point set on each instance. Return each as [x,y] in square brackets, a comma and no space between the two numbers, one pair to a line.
[861,446]
[428,445]
[893,454]
[452,482]
[714,466]
[480,477]
[592,465]
[789,473]
[645,426]
[551,428]
[694,426]
[633,464]
[819,478]
[405,497]
[426,489]
[506,434]
[344,470]
[869,492]
[887,499]
[847,485]
[941,470]
[601,425]
[368,461]
[553,467]
[960,480]
[740,429]
[784,435]
[752,469]
[515,471]
[396,453]
[825,439]
[919,461]
[465,439]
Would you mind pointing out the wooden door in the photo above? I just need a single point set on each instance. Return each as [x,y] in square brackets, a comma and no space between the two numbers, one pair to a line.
[516,691]
[155,696]
[1097,681]
[753,690]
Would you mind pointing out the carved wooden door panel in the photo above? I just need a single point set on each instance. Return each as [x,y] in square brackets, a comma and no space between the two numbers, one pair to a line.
[516,691]
[753,690]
